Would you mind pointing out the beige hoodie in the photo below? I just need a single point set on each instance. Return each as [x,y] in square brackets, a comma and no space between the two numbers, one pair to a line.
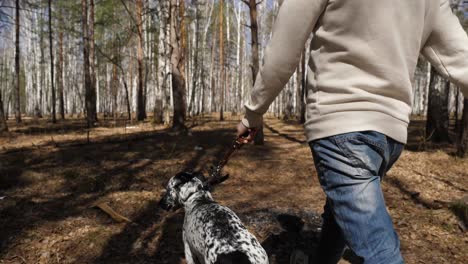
[363,57]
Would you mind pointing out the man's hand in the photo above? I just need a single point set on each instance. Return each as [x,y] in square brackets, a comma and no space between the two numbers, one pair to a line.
[245,134]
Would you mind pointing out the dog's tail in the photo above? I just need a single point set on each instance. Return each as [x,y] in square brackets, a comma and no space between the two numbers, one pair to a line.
[233,258]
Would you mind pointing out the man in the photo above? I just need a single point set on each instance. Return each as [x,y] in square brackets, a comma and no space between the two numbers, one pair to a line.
[363,56]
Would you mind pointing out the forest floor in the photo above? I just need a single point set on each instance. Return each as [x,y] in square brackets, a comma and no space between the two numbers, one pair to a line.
[50,176]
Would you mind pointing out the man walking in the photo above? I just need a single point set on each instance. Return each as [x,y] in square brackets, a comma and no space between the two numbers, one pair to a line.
[363,55]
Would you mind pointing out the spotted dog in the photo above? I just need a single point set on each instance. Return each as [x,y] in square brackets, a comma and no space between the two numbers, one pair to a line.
[212,233]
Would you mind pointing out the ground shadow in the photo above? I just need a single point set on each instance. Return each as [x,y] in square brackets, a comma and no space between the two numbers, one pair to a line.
[415,196]
[154,236]
[140,162]
[89,172]
[286,136]
[418,141]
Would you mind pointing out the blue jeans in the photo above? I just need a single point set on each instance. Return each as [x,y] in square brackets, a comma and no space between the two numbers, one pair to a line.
[350,168]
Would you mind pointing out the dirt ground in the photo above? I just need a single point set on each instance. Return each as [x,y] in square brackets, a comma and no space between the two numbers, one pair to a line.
[51,175]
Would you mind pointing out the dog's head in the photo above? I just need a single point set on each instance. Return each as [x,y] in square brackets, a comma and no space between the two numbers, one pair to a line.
[182,186]
[179,188]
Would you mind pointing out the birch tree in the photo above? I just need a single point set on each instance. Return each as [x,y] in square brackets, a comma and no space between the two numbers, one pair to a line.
[88,87]
[462,148]
[92,65]
[60,76]
[196,53]
[163,98]
[17,65]
[437,126]
[255,66]
[141,109]
[221,58]
[3,124]
[177,67]
[51,52]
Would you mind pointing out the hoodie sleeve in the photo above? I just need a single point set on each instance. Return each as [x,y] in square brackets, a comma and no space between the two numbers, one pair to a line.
[447,48]
[295,21]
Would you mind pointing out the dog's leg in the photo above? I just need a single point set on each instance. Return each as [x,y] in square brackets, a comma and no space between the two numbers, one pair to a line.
[188,252]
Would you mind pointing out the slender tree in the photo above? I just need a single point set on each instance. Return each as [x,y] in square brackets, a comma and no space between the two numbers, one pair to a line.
[195,59]
[3,124]
[42,68]
[299,97]
[301,102]
[212,73]
[127,97]
[255,66]
[239,57]
[17,101]
[221,58]
[177,68]
[457,108]
[90,99]
[463,136]
[163,98]
[437,125]
[87,78]
[141,109]
[252,4]
[60,76]
[92,63]
[51,52]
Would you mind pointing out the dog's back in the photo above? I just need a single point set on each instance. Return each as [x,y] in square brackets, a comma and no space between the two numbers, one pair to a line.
[218,232]
[213,234]
[233,258]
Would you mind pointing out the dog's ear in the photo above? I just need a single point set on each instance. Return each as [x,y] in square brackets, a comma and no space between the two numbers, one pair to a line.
[199,175]
[185,176]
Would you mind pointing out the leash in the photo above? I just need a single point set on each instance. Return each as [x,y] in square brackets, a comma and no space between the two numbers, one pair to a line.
[235,145]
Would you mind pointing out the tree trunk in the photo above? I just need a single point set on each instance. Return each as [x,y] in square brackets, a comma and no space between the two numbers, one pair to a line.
[259,138]
[113,87]
[299,98]
[3,124]
[141,109]
[163,98]
[195,59]
[303,87]
[39,103]
[463,137]
[90,101]
[202,64]
[437,126]
[457,108]
[177,69]
[239,56]
[17,101]
[92,63]
[240,77]
[127,98]
[60,77]
[254,32]
[221,58]
[183,50]
[51,50]
[212,73]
